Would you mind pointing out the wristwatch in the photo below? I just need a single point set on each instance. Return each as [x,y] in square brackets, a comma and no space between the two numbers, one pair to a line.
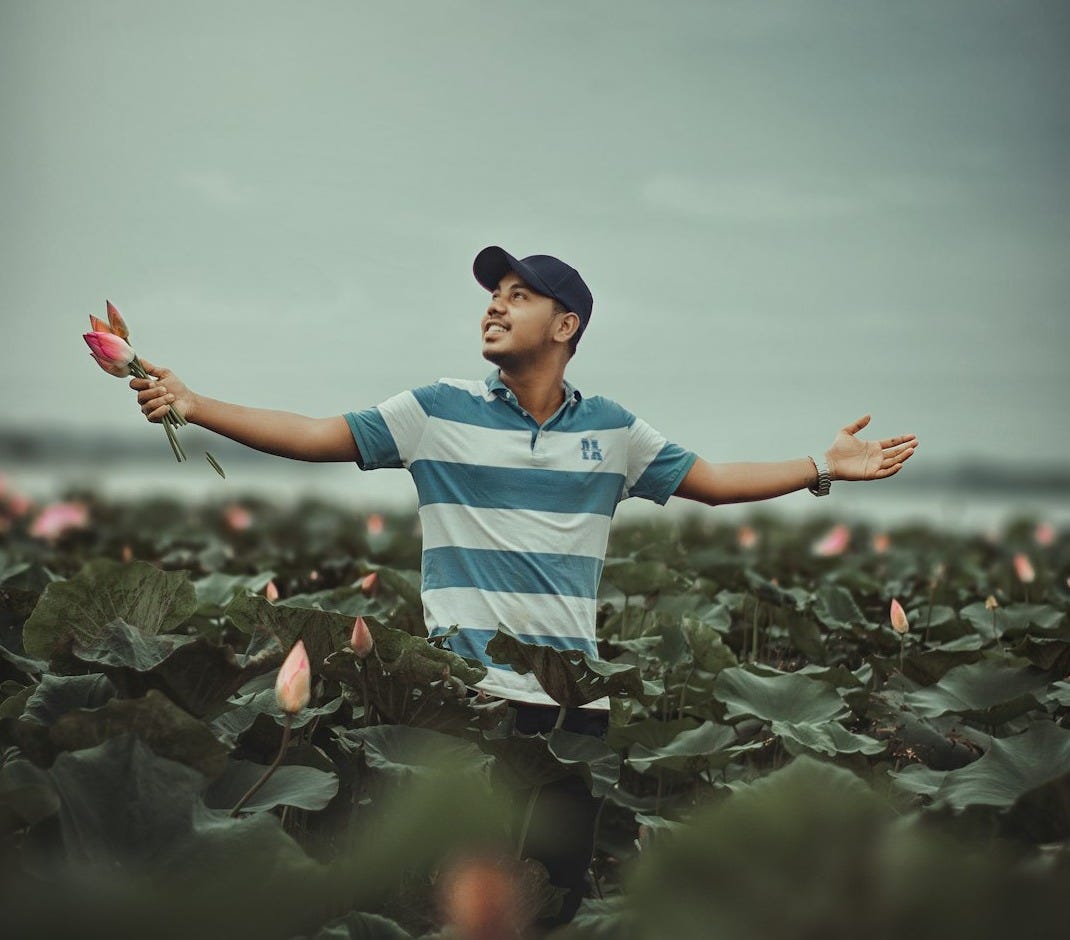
[824,479]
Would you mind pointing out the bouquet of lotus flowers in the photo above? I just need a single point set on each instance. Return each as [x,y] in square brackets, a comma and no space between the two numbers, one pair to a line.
[109,346]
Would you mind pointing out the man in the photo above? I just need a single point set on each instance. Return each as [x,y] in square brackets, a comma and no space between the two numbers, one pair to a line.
[518,478]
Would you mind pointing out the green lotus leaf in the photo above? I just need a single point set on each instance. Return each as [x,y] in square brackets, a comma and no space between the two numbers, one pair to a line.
[25,665]
[1047,653]
[780,697]
[162,725]
[57,695]
[592,758]
[835,607]
[770,593]
[1060,694]
[989,691]
[651,732]
[707,747]
[322,631]
[217,590]
[829,737]
[290,785]
[197,674]
[359,926]
[401,752]
[26,795]
[1010,769]
[233,723]
[120,803]
[1014,620]
[522,761]
[120,645]
[151,600]
[634,578]
[569,677]
[406,584]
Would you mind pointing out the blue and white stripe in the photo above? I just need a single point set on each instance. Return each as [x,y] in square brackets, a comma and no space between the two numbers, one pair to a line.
[515,516]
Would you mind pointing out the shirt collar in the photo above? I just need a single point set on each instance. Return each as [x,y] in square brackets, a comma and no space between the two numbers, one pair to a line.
[497,388]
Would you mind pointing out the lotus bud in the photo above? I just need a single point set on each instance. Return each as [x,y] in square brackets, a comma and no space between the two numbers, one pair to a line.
[375,525]
[361,639]
[313,575]
[1023,567]
[110,347]
[746,537]
[128,554]
[59,518]
[369,584]
[991,603]
[834,542]
[120,372]
[900,624]
[118,325]
[881,543]
[1044,534]
[271,592]
[237,518]
[482,901]
[99,326]
[293,687]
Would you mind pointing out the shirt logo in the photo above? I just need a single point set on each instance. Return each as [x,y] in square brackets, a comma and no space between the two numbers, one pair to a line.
[589,449]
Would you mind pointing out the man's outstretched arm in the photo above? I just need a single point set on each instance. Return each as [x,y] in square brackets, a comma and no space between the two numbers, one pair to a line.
[849,458]
[282,433]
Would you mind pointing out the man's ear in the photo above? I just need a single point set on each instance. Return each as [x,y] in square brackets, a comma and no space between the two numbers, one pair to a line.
[569,325]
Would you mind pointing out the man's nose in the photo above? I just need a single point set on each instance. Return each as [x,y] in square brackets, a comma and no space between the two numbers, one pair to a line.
[496,305]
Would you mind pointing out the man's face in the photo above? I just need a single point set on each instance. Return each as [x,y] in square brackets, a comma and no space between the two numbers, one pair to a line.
[519,324]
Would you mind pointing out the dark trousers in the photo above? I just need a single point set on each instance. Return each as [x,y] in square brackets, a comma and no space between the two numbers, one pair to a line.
[562,830]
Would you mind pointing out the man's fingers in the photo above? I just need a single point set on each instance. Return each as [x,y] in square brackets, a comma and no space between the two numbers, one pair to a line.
[902,439]
[855,426]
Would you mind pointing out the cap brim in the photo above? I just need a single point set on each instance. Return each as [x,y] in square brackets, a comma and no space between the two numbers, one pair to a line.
[493,263]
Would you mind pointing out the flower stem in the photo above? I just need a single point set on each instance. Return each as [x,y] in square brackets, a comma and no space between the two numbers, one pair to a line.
[267,773]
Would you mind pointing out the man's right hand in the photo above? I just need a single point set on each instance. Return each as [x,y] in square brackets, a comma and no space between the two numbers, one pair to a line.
[161,390]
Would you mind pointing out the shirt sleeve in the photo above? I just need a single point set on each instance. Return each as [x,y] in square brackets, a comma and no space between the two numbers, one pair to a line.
[389,434]
[655,466]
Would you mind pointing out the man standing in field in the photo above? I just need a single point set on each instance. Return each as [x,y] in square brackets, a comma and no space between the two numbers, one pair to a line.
[518,476]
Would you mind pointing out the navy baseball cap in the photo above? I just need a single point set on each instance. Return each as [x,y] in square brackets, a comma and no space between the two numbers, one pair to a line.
[542,273]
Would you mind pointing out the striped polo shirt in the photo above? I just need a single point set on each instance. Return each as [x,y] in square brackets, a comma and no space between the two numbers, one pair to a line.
[515,515]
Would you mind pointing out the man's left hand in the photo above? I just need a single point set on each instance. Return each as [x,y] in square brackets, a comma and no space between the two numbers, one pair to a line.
[852,459]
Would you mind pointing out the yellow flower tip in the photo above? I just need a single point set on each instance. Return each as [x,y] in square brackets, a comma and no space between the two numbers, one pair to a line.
[991,603]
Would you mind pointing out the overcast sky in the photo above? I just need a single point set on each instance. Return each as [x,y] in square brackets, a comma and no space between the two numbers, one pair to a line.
[789,213]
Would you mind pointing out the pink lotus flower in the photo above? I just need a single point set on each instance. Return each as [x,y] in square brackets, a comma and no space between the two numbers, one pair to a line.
[293,687]
[834,542]
[1044,534]
[881,543]
[271,592]
[900,624]
[237,518]
[55,520]
[369,584]
[116,322]
[375,525]
[746,537]
[109,347]
[1023,568]
[361,639]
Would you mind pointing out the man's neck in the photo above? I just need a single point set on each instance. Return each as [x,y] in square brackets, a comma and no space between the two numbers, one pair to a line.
[539,391]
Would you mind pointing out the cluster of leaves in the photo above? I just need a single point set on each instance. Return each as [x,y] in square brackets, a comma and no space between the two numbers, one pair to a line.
[771,734]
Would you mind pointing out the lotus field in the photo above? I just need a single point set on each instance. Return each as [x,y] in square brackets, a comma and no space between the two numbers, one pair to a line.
[226,721]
